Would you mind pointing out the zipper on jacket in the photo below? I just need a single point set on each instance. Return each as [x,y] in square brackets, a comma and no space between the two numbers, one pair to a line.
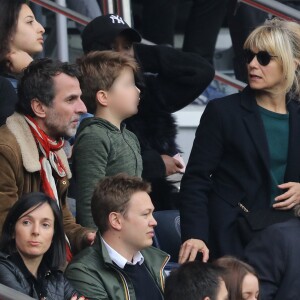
[43,294]
[161,273]
[126,290]
[136,160]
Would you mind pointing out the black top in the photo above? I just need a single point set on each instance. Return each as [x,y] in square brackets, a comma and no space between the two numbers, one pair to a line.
[35,283]
[274,254]
[8,99]
[144,286]
[50,283]
[172,80]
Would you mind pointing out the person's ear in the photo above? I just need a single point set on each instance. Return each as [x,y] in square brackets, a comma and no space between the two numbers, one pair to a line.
[114,219]
[38,108]
[102,97]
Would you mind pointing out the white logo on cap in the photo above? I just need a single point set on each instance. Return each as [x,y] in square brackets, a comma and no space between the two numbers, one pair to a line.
[117,18]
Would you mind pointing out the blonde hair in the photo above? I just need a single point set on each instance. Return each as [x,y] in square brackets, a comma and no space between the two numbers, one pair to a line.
[281,39]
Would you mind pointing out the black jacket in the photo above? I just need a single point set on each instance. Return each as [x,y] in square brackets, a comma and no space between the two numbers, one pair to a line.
[230,163]
[275,256]
[172,79]
[8,99]
[54,286]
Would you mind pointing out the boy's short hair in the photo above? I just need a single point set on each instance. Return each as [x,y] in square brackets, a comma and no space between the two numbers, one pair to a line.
[99,71]
[194,281]
[112,194]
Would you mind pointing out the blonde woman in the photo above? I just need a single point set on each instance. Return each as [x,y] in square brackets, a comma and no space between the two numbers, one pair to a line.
[245,157]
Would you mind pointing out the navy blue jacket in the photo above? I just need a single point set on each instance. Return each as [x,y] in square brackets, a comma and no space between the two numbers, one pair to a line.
[275,256]
[8,99]
[229,164]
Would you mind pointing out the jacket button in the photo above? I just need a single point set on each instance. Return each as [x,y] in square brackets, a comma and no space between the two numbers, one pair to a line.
[64,182]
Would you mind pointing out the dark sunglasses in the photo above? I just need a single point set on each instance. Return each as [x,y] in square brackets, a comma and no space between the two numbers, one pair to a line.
[263,57]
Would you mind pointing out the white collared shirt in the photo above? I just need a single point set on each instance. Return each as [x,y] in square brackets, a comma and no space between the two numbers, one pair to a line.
[120,260]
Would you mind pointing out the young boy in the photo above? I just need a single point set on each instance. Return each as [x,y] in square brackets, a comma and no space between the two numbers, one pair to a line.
[103,146]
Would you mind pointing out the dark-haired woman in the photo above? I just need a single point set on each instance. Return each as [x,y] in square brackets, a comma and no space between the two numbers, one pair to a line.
[33,249]
[21,38]
[21,35]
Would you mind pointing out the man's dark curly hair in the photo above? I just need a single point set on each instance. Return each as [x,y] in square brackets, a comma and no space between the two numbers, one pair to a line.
[37,82]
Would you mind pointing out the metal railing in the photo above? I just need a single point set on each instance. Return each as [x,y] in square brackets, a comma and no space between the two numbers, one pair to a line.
[269,6]
[237,84]
[61,34]
[119,7]
[122,8]
[69,13]
[275,8]
[108,6]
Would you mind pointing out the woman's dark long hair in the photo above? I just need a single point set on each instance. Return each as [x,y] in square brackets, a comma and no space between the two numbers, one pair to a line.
[9,14]
[55,257]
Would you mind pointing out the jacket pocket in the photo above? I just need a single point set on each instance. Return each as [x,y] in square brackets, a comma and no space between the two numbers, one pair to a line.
[231,195]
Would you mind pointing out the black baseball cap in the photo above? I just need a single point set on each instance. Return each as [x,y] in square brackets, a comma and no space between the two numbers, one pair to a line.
[101,32]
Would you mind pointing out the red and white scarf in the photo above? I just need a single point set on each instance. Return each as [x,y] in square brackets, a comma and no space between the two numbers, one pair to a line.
[49,161]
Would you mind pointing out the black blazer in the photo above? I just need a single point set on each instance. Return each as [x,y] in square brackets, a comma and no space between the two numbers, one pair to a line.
[275,256]
[8,99]
[230,163]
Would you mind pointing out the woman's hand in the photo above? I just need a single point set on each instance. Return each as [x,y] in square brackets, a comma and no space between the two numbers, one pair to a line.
[90,238]
[290,198]
[172,165]
[189,250]
[18,60]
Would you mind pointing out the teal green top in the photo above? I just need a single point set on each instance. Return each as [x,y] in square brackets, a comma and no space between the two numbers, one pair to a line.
[277,131]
